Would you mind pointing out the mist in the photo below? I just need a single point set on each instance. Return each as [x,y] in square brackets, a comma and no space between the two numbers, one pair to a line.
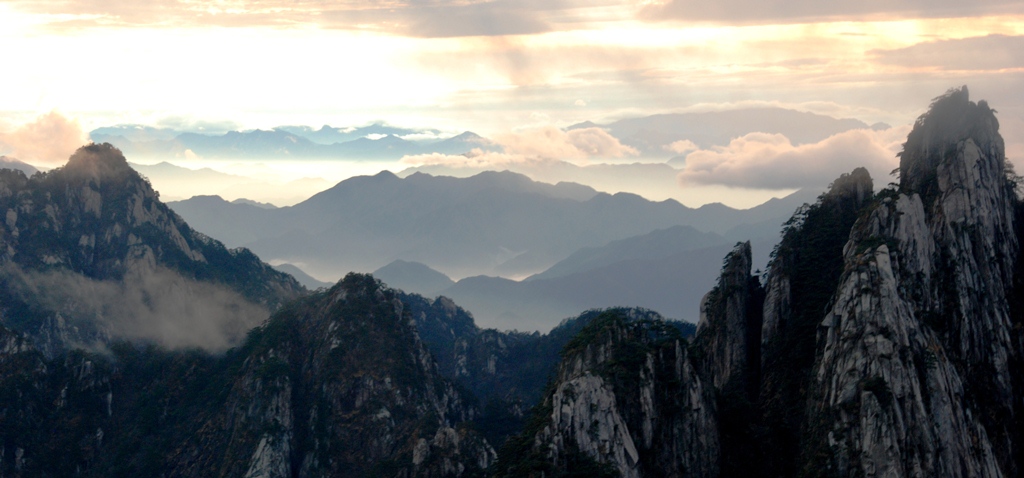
[154,305]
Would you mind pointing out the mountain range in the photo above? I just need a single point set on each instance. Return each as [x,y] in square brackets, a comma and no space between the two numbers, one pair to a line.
[649,135]
[884,339]
[371,142]
[496,224]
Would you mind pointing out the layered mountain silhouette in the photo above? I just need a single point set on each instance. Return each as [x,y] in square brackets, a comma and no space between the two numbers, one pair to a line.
[376,141]
[884,339]
[499,224]
[859,354]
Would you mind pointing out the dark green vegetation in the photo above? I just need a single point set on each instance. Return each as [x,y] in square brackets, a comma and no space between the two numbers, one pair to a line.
[506,372]
[316,376]
[810,255]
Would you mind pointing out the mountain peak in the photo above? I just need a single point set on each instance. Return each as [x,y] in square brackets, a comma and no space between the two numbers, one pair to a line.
[98,161]
[951,120]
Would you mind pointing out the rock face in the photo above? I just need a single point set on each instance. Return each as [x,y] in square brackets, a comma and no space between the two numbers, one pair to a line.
[627,400]
[334,384]
[730,323]
[89,254]
[801,280]
[338,384]
[917,363]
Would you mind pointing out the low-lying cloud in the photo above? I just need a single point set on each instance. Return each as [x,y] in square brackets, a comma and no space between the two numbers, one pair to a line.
[535,145]
[48,140]
[771,161]
[152,305]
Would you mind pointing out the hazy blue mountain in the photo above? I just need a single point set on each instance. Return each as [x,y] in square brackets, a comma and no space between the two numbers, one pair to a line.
[305,279]
[329,135]
[413,277]
[671,284]
[169,170]
[368,142]
[17,165]
[261,205]
[654,245]
[650,134]
[458,226]
[656,181]
[132,132]
[492,224]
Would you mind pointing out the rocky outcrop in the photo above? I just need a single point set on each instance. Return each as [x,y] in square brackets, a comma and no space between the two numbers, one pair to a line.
[339,384]
[728,333]
[626,396]
[89,254]
[800,283]
[914,375]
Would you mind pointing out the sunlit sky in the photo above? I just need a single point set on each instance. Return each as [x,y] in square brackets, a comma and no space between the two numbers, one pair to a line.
[496,67]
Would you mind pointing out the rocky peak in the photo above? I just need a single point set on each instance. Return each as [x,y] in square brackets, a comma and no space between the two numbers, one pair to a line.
[730,324]
[917,363]
[940,133]
[89,254]
[339,384]
[99,162]
[627,397]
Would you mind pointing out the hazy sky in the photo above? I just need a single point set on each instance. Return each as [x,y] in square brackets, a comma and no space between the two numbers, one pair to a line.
[499,66]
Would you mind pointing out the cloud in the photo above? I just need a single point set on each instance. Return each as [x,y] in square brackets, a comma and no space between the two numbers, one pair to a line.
[681,146]
[800,11]
[550,142]
[477,19]
[154,305]
[992,52]
[534,145]
[410,17]
[49,140]
[771,161]
[474,159]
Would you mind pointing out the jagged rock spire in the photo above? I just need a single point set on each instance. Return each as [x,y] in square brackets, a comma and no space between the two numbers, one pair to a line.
[914,372]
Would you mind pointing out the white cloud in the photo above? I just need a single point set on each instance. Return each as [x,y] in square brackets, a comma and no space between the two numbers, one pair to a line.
[474,159]
[534,145]
[761,160]
[48,140]
[681,146]
[549,142]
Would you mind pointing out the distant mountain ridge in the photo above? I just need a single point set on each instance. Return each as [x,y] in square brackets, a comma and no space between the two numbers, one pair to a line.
[371,142]
[651,135]
[492,223]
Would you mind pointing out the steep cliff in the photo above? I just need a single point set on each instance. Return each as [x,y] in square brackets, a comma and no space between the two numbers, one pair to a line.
[334,384]
[916,366]
[800,283]
[626,401]
[728,333]
[338,384]
[89,254]
[727,350]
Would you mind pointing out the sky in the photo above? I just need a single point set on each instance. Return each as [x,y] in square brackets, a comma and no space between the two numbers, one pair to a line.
[502,68]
